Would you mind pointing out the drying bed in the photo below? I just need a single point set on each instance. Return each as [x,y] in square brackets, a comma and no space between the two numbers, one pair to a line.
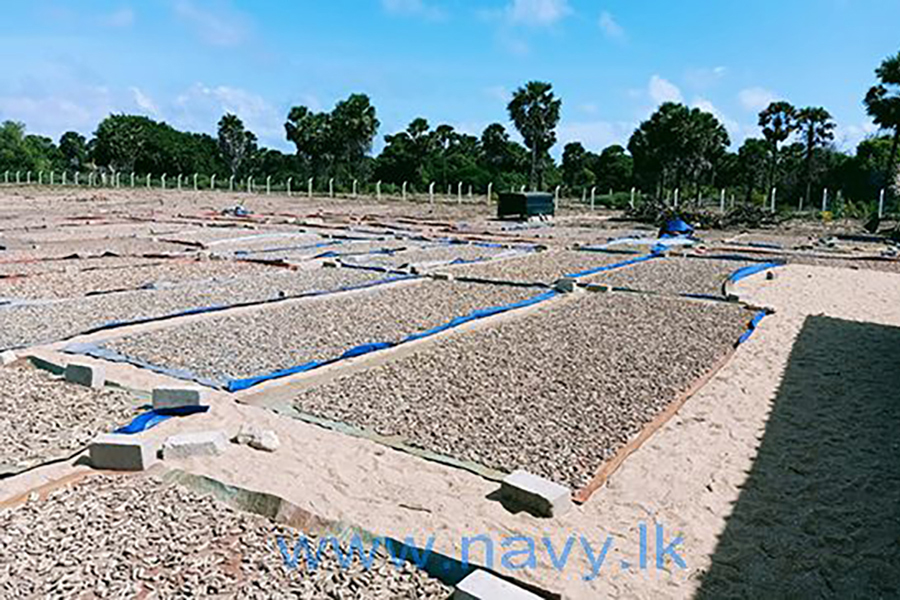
[226,348]
[556,391]
[135,537]
[676,275]
[45,418]
[427,255]
[64,265]
[29,324]
[160,274]
[538,267]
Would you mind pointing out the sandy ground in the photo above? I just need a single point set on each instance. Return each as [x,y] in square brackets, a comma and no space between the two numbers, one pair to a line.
[691,478]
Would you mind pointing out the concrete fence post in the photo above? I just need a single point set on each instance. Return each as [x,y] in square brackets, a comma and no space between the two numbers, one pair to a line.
[196,187]
[268,185]
[490,189]
[593,197]
[556,195]
[331,188]
[522,190]
[76,177]
[881,204]
[404,191]
[355,184]
[309,187]
[178,182]
[249,184]
[459,193]
[824,199]
[378,190]
[212,182]
[631,201]
[149,180]
[231,183]
[677,191]
[17,178]
[132,179]
[431,192]
[52,173]
[774,196]
[28,177]
[64,178]
[289,180]
[722,201]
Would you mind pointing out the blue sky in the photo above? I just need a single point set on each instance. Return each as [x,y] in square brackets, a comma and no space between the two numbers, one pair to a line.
[66,64]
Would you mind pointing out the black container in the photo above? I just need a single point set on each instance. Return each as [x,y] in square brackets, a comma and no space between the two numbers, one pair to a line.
[525,205]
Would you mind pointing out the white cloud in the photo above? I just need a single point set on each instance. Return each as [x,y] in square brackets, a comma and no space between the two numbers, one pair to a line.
[218,27]
[144,102]
[200,107]
[124,17]
[51,113]
[611,29]
[755,98]
[662,90]
[733,127]
[537,13]
[415,8]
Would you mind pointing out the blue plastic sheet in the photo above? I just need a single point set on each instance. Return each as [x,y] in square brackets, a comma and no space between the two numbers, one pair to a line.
[596,270]
[154,417]
[754,323]
[752,270]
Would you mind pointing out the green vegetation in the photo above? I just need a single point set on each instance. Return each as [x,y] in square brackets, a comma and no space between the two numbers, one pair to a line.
[676,148]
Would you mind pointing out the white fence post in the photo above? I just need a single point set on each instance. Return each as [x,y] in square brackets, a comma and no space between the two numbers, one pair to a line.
[431,192]
[290,179]
[231,183]
[523,189]
[249,184]
[676,197]
[178,182]
[40,177]
[51,176]
[132,179]
[378,190]
[18,179]
[149,180]
[212,182]
[28,178]
[881,204]
[164,181]
[459,193]
[64,178]
[489,191]
[309,185]
[824,199]
[593,197]
[268,185]
[195,183]
[556,196]
[331,188]
[631,202]
[355,184]
[774,195]
[76,177]
[722,201]
[404,190]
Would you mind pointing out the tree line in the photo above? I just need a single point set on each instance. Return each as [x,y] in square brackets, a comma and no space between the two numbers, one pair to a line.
[676,148]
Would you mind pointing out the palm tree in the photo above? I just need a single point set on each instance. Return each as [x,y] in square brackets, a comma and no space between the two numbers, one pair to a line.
[883,105]
[535,112]
[778,122]
[816,129]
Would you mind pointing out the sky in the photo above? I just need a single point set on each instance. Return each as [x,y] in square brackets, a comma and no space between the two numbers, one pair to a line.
[66,64]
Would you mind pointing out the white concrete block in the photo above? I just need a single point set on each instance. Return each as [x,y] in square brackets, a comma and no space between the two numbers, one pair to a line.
[257,438]
[199,443]
[7,358]
[537,495]
[120,452]
[93,376]
[177,397]
[481,585]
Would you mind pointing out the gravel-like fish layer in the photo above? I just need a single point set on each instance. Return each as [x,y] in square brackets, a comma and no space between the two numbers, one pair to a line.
[41,323]
[73,283]
[675,275]
[279,337]
[538,267]
[45,418]
[427,255]
[555,392]
[138,537]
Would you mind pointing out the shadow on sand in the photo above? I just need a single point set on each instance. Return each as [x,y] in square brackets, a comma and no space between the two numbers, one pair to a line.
[819,515]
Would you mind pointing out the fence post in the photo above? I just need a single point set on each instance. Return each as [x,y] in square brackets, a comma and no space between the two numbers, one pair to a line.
[459,193]
[677,191]
[249,184]
[164,181]
[824,199]
[355,183]
[631,201]
[489,191]
[212,182]
[404,191]
[40,177]
[881,204]
[431,192]
[28,178]
[6,177]
[196,188]
[149,180]
[290,179]
[52,173]
[64,178]
[593,197]
[378,190]
[178,182]
[132,179]
[231,183]
[17,178]
[331,188]
[76,178]
[268,185]
[722,201]
[522,190]
[556,197]
[774,195]
[309,185]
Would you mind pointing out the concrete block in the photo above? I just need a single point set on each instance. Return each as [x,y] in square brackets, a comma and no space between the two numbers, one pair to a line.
[257,438]
[200,443]
[120,452]
[481,585]
[7,358]
[535,494]
[331,264]
[93,376]
[177,397]
[566,285]
[442,276]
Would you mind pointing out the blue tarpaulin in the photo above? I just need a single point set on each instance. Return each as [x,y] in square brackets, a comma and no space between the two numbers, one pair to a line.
[154,417]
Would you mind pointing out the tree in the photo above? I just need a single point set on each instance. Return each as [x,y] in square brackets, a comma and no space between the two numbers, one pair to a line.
[235,143]
[753,158]
[816,129]
[353,125]
[121,141]
[73,147]
[535,111]
[613,168]
[778,122]
[883,105]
